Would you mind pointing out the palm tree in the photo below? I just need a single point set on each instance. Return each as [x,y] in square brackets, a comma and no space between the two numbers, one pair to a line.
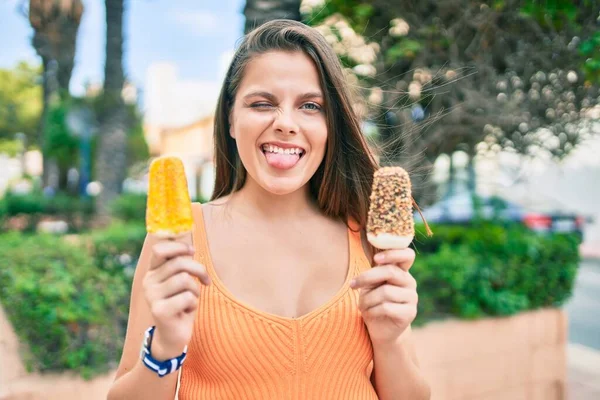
[111,159]
[55,24]
[257,12]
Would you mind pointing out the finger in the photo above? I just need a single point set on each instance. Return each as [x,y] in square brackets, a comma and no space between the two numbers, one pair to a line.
[172,306]
[381,274]
[395,311]
[403,258]
[182,264]
[386,293]
[177,284]
[168,249]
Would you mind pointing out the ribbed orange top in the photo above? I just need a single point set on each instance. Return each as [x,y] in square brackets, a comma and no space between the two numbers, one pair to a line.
[239,352]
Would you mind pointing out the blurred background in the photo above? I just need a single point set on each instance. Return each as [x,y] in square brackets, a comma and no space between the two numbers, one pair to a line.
[493,107]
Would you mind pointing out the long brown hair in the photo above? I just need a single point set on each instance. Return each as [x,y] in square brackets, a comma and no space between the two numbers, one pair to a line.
[342,183]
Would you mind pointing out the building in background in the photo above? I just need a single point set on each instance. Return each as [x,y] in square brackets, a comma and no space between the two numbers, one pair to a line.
[179,121]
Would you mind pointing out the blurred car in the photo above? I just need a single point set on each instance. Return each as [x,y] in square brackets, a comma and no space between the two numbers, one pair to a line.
[463,208]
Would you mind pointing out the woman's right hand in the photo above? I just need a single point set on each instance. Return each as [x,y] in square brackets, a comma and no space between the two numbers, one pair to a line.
[172,295]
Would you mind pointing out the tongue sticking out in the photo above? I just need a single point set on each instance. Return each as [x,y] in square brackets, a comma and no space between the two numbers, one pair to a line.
[282,161]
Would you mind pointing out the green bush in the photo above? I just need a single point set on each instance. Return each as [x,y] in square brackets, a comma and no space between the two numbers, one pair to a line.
[70,304]
[3,213]
[35,204]
[492,270]
[116,249]
[61,305]
[29,204]
[130,207]
[68,205]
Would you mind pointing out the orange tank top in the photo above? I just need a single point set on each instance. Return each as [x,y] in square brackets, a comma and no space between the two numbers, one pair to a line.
[239,352]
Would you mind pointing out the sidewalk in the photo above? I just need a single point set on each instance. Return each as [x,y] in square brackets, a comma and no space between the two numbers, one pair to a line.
[590,251]
[583,372]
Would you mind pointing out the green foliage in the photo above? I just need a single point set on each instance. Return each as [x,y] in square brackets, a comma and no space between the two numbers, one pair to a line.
[29,204]
[116,249]
[3,213]
[60,144]
[11,148]
[20,101]
[556,14]
[551,13]
[75,210]
[359,12]
[130,207]
[491,72]
[61,305]
[590,50]
[405,48]
[137,148]
[67,205]
[70,305]
[492,270]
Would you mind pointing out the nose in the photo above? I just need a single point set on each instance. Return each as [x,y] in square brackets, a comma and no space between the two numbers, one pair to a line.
[284,123]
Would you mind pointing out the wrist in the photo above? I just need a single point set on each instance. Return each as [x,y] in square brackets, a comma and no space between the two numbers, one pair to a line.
[390,344]
[162,351]
[162,367]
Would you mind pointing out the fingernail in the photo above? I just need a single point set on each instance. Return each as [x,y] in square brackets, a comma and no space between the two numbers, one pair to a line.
[379,257]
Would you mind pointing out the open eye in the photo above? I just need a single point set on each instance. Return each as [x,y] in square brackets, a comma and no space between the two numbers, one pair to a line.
[312,106]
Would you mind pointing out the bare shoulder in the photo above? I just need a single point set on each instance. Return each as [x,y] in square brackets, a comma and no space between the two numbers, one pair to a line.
[209,208]
[217,202]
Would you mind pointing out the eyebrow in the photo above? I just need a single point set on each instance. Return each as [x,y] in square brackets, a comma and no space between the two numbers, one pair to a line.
[271,97]
[312,95]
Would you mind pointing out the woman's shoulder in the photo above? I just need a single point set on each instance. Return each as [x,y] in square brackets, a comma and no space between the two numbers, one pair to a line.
[204,208]
[211,203]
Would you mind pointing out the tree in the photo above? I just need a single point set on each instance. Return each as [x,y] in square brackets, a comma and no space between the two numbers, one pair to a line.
[60,143]
[473,75]
[257,12]
[111,164]
[55,24]
[20,101]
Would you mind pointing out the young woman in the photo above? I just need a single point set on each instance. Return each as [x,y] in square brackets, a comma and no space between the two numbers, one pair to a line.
[274,293]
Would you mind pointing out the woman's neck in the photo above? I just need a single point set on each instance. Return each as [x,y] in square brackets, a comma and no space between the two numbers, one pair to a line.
[253,200]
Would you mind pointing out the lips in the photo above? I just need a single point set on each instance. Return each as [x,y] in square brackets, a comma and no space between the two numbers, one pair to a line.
[282,156]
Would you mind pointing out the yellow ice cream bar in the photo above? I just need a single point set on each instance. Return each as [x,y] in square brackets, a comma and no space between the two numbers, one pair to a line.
[169,209]
[390,222]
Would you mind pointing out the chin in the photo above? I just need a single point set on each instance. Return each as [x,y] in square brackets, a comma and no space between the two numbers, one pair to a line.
[281,186]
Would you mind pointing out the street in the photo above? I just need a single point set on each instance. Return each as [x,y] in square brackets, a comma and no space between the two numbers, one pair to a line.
[583,352]
[584,307]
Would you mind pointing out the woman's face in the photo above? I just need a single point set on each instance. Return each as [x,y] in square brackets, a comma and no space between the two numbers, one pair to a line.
[278,121]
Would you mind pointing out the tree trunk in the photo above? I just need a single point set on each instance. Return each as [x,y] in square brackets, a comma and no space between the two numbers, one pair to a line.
[257,12]
[112,161]
[55,35]
[51,90]
[48,88]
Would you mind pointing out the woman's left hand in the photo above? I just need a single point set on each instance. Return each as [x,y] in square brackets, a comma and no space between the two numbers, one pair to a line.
[388,295]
